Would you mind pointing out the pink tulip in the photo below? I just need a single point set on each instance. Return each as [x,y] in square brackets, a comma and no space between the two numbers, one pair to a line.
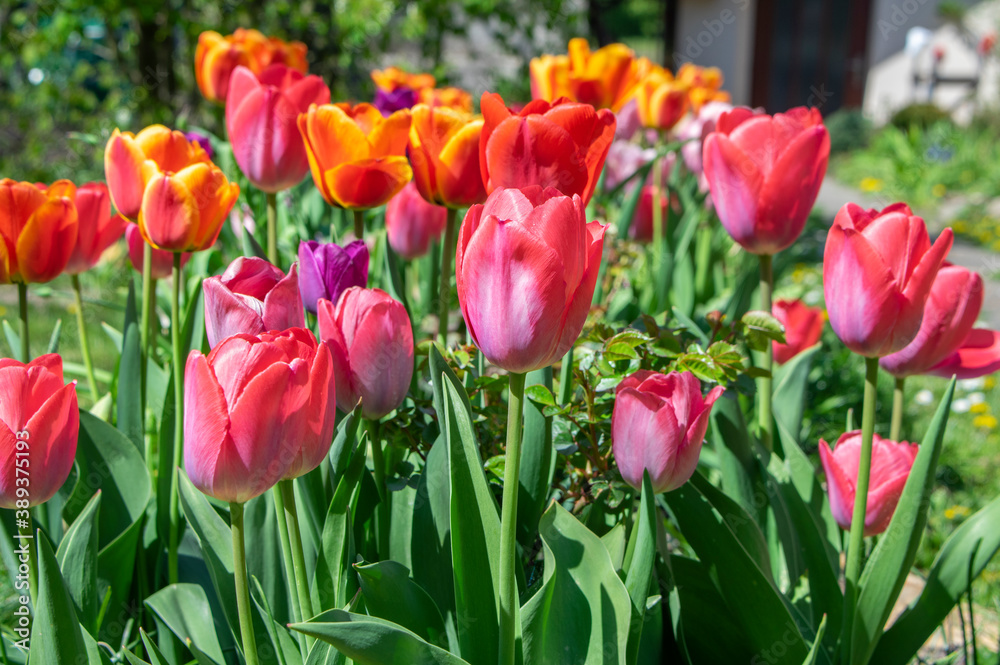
[163,260]
[878,268]
[658,425]
[693,132]
[97,228]
[642,223]
[254,412]
[412,223]
[251,297]
[262,121]
[39,424]
[371,339]
[891,464]
[978,355]
[764,173]
[803,328]
[526,268]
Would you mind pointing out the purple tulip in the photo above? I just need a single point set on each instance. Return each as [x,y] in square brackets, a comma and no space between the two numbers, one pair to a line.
[327,270]
[203,141]
[390,102]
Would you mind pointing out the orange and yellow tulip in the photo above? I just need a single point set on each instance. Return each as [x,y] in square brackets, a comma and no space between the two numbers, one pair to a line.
[357,157]
[216,57]
[392,78]
[444,154]
[661,100]
[704,85]
[38,229]
[170,186]
[452,98]
[605,78]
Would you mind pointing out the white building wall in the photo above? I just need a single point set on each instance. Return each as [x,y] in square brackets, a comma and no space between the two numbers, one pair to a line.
[719,33]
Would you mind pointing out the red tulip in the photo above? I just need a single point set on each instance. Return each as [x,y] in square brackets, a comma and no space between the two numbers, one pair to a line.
[39,424]
[878,269]
[251,297]
[561,145]
[526,268]
[764,173]
[38,229]
[412,223]
[163,261]
[803,328]
[978,355]
[891,464]
[642,223]
[250,407]
[371,339]
[262,120]
[658,425]
[97,228]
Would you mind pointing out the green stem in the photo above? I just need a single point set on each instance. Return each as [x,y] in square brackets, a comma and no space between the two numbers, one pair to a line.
[148,289]
[272,228]
[378,460]
[81,324]
[298,558]
[444,291]
[286,556]
[898,406]
[765,418]
[359,224]
[855,548]
[22,301]
[566,378]
[175,336]
[242,588]
[508,521]
[27,535]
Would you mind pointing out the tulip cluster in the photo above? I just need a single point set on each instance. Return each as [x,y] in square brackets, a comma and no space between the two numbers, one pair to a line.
[217,57]
[396,89]
[605,78]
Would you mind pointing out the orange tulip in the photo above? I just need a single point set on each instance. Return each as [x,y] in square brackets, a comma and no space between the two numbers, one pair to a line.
[452,98]
[357,157]
[38,230]
[168,184]
[444,154]
[605,78]
[216,57]
[392,78]
[704,85]
[661,99]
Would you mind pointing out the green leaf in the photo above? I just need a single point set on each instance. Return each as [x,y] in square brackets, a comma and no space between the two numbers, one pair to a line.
[537,459]
[437,365]
[155,657]
[264,561]
[193,330]
[13,341]
[77,558]
[286,648]
[130,415]
[56,636]
[582,612]
[54,338]
[883,576]
[345,440]
[614,542]
[627,212]
[761,328]
[390,594]
[791,388]
[734,448]
[690,326]
[642,549]
[539,393]
[185,610]
[817,647]
[372,641]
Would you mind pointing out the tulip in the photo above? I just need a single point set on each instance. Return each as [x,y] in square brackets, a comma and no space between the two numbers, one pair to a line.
[203,141]
[327,270]
[357,157]
[371,339]
[978,355]
[803,328]
[39,423]
[168,184]
[764,173]
[412,223]
[526,268]
[694,132]
[561,145]
[661,100]
[605,78]
[394,78]
[890,467]
[452,98]
[444,153]
[97,228]
[642,224]
[216,57]
[389,102]
[658,425]
[38,230]
[704,85]
[252,296]
[163,261]
[878,269]
[261,118]
[624,159]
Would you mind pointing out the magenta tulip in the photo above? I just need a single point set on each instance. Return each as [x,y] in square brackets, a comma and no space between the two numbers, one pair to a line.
[262,121]
[412,223]
[526,268]
[163,260]
[891,464]
[371,339]
[803,328]
[658,425]
[878,269]
[764,173]
[39,424]
[327,270]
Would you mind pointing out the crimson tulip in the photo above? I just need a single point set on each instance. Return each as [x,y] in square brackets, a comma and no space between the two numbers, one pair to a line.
[163,261]
[561,145]
[658,425]
[526,268]
[412,223]
[764,173]
[371,339]
[803,328]
[326,270]
[39,425]
[262,120]
[890,467]
[252,296]
[97,228]
[38,230]
[878,269]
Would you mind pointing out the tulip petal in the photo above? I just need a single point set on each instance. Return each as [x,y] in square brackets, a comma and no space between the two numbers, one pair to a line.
[978,356]
[839,486]
[228,313]
[123,159]
[636,436]
[368,183]
[383,346]
[206,427]
[388,138]
[735,182]
[578,304]
[458,177]
[53,431]
[47,240]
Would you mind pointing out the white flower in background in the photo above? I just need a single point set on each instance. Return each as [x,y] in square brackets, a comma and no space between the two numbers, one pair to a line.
[924,397]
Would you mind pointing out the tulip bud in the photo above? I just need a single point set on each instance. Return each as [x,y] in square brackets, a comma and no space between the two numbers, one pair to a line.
[39,423]
[412,223]
[803,328]
[878,269]
[327,270]
[97,228]
[891,464]
[163,261]
[251,297]
[658,425]
[526,268]
[371,338]
[38,230]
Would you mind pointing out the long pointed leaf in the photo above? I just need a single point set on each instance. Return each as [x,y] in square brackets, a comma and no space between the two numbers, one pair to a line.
[56,636]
